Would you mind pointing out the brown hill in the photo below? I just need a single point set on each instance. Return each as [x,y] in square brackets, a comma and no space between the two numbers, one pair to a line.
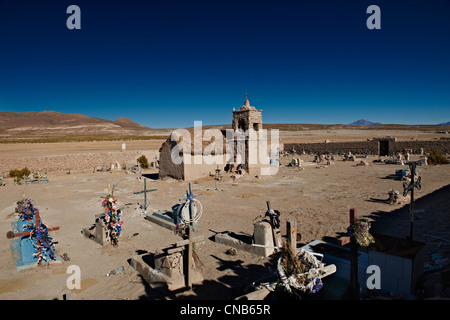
[51,123]
[44,118]
[126,122]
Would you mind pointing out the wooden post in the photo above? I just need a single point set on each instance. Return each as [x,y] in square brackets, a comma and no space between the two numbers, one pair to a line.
[406,188]
[189,246]
[275,231]
[190,261]
[354,284]
[291,233]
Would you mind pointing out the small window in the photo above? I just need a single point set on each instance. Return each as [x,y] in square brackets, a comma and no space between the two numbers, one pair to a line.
[242,125]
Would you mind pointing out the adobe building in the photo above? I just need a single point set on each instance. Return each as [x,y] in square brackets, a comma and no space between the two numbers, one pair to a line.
[227,154]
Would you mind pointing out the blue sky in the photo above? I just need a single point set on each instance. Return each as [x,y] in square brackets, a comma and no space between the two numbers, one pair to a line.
[166,63]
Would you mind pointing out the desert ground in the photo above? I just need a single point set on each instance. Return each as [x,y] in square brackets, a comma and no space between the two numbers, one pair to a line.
[318,197]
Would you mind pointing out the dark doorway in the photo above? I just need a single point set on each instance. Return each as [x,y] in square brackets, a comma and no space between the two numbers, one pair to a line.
[383,148]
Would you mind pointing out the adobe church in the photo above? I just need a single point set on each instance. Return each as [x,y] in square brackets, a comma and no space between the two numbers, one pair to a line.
[240,152]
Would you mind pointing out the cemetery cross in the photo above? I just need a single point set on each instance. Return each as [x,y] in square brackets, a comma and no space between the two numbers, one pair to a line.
[410,187]
[190,259]
[145,194]
[11,235]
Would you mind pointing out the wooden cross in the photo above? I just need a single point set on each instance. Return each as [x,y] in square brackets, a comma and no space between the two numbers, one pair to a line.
[410,187]
[109,190]
[188,257]
[11,235]
[145,194]
[190,242]
[190,197]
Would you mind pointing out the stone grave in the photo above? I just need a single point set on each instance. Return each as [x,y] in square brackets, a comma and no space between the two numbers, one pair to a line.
[177,266]
[178,217]
[31,244]
[35,177]
[401,261]
[266,236]
[107,226]
[171,268]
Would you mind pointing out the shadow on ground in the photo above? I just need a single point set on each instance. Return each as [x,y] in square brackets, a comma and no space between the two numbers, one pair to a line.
[432,219]
[227,287]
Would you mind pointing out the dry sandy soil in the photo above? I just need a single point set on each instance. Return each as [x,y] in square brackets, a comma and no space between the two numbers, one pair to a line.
[318,197]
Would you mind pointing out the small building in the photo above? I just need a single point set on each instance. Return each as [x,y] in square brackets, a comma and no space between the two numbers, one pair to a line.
[386,146]
[196,153]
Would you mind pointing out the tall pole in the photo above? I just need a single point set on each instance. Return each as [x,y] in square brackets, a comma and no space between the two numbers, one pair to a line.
[145,194]
[354,284]
[406,188]
[189,253]
[411,213]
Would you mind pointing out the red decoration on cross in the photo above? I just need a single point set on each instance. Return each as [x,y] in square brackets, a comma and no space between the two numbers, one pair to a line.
[11,235]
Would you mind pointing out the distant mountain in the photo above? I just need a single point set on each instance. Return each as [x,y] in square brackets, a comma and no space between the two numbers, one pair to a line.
[444,124]
[57,123]
[363,122]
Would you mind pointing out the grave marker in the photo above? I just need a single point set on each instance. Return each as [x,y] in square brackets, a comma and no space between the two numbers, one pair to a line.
[217,177]
[189,214]
[193,218]
[181,213]
[275,223]
[354,284]
[22,250]
[108,223]
[410,188]
[188,255]
[145,205]
[291,233]
[171,269]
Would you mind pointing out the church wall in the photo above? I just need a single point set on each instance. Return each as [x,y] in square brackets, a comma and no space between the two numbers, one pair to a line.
[194,171]
[166,166]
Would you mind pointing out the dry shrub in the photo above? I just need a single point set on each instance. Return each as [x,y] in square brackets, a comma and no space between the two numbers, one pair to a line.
[143,161]
[19,173]
[436,157]
[291,263]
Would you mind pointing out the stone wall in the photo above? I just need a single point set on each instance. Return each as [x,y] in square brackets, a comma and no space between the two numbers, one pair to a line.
[167,168]
[443,145]
[359,147]
[194,171]
[74,162]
